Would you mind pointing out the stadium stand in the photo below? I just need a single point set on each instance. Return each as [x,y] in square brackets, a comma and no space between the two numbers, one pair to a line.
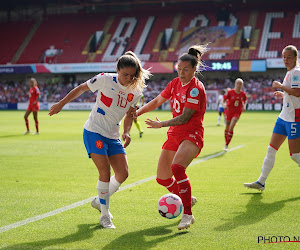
[144,32]
[13,34]
[67,32]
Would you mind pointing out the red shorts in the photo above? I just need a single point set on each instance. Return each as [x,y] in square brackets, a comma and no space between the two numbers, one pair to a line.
[230,114]
[173,141]
[34,107]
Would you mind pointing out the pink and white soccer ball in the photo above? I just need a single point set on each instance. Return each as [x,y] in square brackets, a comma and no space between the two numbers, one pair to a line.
[169,206]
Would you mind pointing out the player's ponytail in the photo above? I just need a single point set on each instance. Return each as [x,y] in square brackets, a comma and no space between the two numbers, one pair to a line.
[129,59]
[194,55]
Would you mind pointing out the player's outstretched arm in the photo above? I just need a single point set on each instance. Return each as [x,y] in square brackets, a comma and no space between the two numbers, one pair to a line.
[187,113]
[155,103]
[73,94]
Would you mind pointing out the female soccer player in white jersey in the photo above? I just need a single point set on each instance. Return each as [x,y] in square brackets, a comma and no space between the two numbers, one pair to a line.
[288,122]
[185,135]
[117,96]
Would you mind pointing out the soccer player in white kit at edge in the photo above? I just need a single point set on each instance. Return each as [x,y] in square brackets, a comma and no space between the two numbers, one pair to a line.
[288,122]
[220,106]
[116,98]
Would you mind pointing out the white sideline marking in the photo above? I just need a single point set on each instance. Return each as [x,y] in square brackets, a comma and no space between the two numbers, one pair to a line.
[79,203]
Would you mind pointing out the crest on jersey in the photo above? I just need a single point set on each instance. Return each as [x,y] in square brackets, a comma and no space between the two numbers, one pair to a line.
[99,144]
[130,97]
[295,78]
[194,92]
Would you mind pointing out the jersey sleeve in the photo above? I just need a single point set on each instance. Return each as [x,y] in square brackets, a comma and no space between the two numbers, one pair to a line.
[97,81]
[225,97]
[37,91]
[194,97]
[167,92]
[295,81]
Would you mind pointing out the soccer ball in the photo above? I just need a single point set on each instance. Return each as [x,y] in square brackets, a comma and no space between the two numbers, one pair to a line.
[169,206]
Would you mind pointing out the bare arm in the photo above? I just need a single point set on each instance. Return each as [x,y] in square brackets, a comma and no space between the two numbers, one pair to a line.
[155,103]
[127,126]
[178,120]
[294,92]
[224,104]
[73,94]
[36,99]
[244,105]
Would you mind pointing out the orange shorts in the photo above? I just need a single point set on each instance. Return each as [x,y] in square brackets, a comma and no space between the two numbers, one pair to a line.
[173,141]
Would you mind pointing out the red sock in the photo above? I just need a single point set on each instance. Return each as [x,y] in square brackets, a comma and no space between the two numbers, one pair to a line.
[229,137]
[37,126]
[184,187]
[27,124]
[226,136]
[170,184]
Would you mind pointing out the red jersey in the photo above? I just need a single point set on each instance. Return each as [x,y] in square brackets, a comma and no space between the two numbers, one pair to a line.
[34,93]
[235,101]
[191,95]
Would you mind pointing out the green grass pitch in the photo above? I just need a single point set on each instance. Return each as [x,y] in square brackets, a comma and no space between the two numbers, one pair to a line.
[39,174]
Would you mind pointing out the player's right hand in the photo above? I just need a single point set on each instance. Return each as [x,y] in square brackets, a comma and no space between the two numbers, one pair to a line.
[126,138]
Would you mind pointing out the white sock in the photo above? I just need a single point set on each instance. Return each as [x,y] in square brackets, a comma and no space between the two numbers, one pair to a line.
[219,119]
[296,157]
[113,185]
[268,164]
[103,194]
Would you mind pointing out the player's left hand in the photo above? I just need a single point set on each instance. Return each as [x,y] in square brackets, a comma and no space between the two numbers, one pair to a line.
[153,124]
[126,138]
[278,94]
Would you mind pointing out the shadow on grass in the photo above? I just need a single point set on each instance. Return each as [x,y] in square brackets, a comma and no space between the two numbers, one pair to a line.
[256,211]
[142,239]
[85,231]
[9,136]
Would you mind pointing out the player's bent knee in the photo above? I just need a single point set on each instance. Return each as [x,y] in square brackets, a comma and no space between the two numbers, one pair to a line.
[296,158]
[122,176]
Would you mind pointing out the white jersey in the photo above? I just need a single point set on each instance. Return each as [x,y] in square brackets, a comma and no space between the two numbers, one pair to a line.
[220,101]
[112,103]
[291,104]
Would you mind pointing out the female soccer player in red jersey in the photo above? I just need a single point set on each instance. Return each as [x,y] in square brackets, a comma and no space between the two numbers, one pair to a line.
[288,122]
[117,96]
[235,105]
[34,106]
[185,135]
